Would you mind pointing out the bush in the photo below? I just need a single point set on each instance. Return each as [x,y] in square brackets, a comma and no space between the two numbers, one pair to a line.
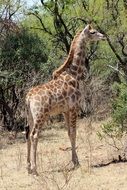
[115,129]
[119,107]
[22,55]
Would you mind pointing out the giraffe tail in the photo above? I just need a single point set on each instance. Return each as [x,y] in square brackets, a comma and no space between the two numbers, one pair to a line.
[29,120]
[27,131]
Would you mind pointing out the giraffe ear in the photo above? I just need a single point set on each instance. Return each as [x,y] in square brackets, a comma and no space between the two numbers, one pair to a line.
[88,28]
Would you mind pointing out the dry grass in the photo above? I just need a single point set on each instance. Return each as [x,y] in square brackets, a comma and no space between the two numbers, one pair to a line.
[54,164]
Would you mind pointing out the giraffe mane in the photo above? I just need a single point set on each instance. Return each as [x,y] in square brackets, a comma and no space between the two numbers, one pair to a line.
[69,58]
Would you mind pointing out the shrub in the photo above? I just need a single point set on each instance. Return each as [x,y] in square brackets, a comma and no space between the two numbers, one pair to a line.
[115,129]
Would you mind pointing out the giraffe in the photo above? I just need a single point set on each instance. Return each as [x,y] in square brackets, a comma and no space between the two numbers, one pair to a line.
[60,95]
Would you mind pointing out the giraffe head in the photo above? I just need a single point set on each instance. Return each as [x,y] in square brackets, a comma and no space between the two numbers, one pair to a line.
[92,34]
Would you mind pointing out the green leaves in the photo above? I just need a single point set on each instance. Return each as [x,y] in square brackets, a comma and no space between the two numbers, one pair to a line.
[22,53]
[117,126]
[120,105]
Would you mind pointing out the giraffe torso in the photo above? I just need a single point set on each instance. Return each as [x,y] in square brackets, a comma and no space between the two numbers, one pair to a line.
[54,97]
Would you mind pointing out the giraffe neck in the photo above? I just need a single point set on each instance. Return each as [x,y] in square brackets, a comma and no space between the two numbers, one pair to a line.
[77,68]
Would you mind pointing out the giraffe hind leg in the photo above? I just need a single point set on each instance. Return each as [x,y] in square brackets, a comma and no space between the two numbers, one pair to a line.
[34,141]
[72,136]
[28,154]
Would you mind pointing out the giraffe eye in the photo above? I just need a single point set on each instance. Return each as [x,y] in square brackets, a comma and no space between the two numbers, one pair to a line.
[93,32]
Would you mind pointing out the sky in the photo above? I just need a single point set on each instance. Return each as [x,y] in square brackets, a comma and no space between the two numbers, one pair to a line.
[32,2]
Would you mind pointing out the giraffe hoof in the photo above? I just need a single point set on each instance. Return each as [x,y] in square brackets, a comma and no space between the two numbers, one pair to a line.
[29,171]
[35,173]
[76,164]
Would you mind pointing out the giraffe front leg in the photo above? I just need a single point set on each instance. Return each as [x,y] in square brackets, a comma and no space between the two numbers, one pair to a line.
[34,141]
[66,118]
[28,155]
[72,136]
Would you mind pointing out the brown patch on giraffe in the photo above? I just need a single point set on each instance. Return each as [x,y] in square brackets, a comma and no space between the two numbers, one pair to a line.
[82,61]
[65,86]
[77,85]
[64,73]
[30,93]
[42,120]
[44,87]
[72,82]
[62,103]
[37,88]
[79,70]
[55,89]
[45,98]
[42,98]
[72,109]
[81,46]
[77,60]
[58,92]
[73,98]
[67,77]
[73,72]
[70,91]
[49,92]
[78,95]
[47,87]
[38,121]
[33,132]
[46,110]
[60,97]
[74,67]
[61,106]
[40,92]
[79,53]
[61,76]
[51,86]
[64,93]
[57,85]
[83,54]
[42,110]
[59,82]
[50,101]
[49,107]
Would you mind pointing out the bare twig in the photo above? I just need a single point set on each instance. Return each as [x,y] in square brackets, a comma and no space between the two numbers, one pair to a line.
[116,69]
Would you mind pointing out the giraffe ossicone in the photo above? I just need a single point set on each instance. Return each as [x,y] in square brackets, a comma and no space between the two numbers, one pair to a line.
[60,95]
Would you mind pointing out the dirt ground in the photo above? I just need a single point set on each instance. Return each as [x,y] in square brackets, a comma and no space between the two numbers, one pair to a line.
[54,162]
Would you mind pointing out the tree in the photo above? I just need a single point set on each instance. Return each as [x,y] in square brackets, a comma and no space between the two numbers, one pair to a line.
[40,40]
[22,56]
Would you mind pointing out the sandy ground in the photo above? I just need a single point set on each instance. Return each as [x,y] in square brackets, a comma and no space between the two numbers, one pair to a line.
[54,163]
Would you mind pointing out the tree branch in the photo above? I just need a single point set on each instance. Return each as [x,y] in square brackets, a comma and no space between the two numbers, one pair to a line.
[41,22]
